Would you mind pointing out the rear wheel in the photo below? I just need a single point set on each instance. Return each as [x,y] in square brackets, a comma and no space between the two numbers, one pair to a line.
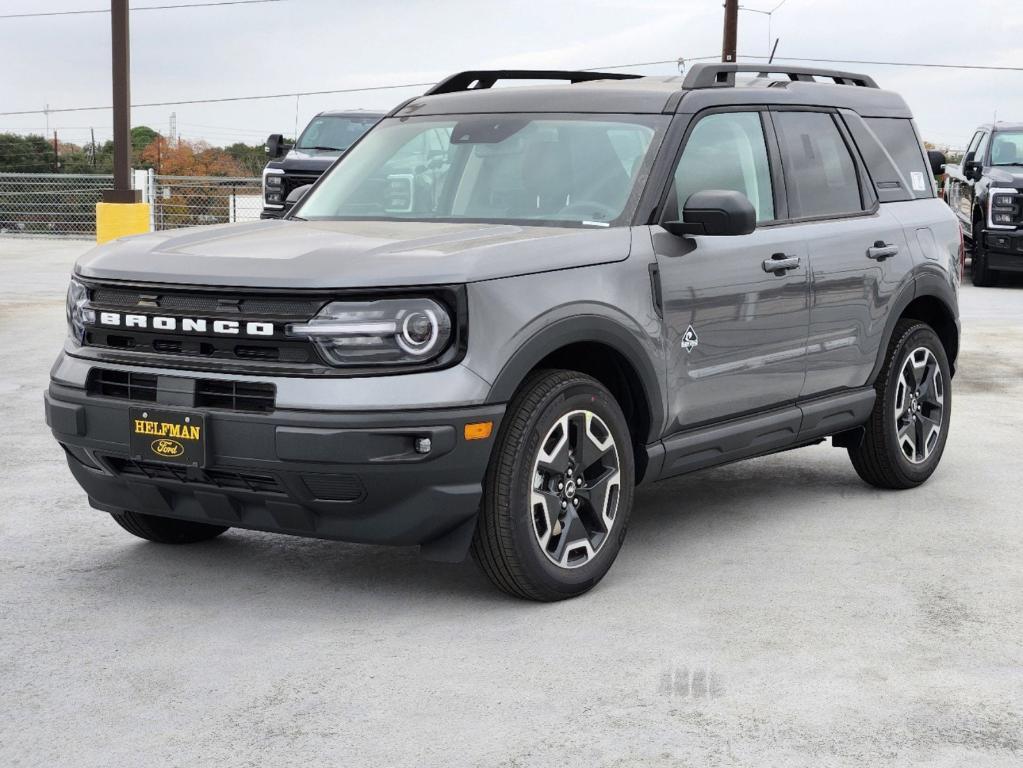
[558,490]
[166,530]
[906,433]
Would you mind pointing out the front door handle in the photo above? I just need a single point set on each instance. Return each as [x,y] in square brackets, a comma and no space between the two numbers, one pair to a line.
[882,250]
[780,263]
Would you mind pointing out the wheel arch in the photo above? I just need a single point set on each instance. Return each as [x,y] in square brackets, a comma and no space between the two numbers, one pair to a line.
[604,349]
[929,299]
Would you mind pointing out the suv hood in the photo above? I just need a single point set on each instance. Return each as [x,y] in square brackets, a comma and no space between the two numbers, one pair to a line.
[1007,175]
[349,254]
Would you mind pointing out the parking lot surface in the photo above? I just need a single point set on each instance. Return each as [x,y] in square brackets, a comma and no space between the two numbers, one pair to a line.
[776,612]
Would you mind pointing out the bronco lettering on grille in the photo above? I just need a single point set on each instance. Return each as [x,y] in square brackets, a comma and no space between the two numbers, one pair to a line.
[186,324]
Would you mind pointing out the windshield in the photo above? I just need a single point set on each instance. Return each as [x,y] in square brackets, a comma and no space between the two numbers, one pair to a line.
[574,170]
[333,132]
[1007,148]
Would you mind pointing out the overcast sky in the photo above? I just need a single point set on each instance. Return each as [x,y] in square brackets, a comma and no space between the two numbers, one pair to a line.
[307,45]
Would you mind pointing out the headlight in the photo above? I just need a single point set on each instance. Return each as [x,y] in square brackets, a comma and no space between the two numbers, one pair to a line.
[1003,201]
[77,313]
[273,188]
[385,332]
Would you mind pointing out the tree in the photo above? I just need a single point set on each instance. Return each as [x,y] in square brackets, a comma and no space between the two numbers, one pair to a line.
[189,158]
[141,137]
[25,154]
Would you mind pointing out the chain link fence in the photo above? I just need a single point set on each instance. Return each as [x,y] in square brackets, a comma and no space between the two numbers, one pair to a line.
[188,201]
[63,205]
[50,204]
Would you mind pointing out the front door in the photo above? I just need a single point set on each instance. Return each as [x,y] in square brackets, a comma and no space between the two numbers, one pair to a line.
[736,309]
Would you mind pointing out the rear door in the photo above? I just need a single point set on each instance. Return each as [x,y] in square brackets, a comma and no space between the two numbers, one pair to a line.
[857,249]
[736,330]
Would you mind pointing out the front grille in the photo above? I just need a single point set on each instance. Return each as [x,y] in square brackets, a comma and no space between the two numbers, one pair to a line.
[257,482]
[122,385]
[247,396]
[235,395]
[296,180]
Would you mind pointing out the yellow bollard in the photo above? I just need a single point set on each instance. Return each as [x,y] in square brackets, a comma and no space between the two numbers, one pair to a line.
[115,220]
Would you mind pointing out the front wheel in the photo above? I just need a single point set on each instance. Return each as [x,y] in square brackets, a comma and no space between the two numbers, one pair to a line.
[906,433]
[558,490]
[981,274]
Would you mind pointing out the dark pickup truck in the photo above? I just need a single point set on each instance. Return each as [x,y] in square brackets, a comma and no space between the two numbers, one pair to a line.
[320,144]
[986,193]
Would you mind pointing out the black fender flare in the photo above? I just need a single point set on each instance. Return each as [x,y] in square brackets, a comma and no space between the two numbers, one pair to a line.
[932,283]
[588,328]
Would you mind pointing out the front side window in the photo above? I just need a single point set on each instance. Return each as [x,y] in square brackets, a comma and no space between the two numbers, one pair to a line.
[820,173]
[727,151]
[333,132]
[981,156]
[577,170]
[1007,148]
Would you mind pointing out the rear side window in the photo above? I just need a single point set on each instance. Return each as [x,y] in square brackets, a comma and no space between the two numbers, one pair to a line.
[900,140]
[819,171]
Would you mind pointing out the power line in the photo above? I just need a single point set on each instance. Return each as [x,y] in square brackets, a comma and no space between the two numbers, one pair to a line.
[140,8]
[925,65]
[361,89]
[366,89]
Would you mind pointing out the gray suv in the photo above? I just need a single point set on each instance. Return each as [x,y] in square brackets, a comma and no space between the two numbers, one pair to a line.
[505,308]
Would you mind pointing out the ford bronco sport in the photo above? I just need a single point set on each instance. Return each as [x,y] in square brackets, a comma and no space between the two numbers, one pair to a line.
[504,308]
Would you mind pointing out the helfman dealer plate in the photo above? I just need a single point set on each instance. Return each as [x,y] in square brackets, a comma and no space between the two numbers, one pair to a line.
[173,437]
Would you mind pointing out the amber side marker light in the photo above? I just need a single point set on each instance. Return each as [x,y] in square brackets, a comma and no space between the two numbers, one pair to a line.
[479,430]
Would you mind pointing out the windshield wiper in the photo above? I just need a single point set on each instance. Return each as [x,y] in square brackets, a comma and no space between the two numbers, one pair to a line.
[328,149]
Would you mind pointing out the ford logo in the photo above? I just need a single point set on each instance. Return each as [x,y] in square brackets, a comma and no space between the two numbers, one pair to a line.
[167,448]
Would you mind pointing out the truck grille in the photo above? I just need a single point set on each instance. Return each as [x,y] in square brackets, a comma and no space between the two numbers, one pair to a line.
[253,397]
[296,180]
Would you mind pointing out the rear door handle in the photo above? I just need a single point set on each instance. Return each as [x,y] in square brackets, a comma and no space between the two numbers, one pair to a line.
[881,250]
[780,263]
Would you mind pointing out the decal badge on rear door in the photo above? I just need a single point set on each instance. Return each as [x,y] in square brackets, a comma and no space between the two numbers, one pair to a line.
[690,339]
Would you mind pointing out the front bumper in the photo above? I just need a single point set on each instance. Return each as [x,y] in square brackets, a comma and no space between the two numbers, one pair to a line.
[273,213]
[1004,250]
[346,476]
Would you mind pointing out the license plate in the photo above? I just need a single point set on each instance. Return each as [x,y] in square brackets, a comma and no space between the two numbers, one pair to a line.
[171,437]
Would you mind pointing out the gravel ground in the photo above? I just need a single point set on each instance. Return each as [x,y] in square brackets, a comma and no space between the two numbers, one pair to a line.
[776,612]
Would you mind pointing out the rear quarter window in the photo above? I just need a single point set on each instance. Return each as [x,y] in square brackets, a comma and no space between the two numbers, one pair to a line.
[899,138]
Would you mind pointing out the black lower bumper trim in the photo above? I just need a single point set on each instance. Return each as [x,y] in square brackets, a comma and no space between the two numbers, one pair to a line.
[345,476]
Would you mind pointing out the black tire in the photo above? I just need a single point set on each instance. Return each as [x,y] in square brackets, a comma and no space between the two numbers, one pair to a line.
[507,543]
[881,459]
[166,530]
[981,275]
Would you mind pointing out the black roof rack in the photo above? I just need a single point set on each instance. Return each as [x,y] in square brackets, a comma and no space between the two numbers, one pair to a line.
[723,75]
[474,80]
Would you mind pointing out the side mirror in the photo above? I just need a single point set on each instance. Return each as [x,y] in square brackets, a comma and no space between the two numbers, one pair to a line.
[274,145]
[715,212]
[971,168]
[297,194]
[937,161]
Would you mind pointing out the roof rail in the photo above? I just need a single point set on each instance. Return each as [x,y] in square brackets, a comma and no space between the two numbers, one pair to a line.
[723,75]
[474,80]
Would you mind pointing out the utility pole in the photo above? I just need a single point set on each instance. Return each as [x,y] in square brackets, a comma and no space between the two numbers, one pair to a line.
[730,41]
[92,145]
[120,59]
[56,154]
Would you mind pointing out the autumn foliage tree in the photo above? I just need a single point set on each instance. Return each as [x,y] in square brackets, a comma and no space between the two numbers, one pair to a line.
[189,158]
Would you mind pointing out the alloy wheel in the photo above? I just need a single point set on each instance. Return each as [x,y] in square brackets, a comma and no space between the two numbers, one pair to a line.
[919,405]
[575,492]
